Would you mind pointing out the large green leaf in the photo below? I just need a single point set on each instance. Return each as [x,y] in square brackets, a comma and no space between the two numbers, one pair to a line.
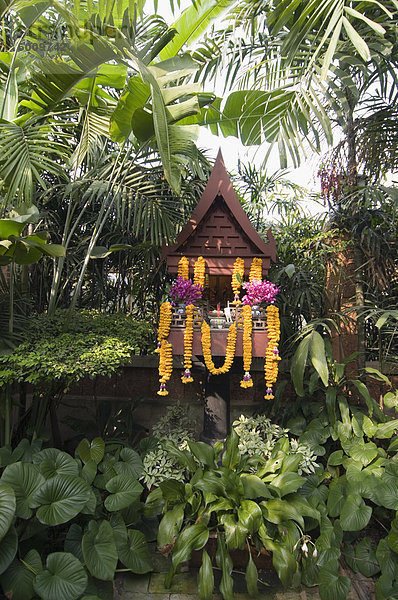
[331,585]
[254,487]
[192,23]
[7,508]
[231,456]
[278,510]
[206,578]
[363,452]
[299,361]
[250,515]
[355,514]
[170,525]
[60,499]
[131,463]
[286,483]
[52,461]
[134,552]
[224,562]
[17,581]
[175,143]
[285,564]
[124,490]
[133,98]
[387,559]
[251,577]
[25,479]
[64,578]
[235,533]
[318,357]
[203,452]
[99,550]
[93,450]
[8,548]
[73,541]
[366,558]
[192,538]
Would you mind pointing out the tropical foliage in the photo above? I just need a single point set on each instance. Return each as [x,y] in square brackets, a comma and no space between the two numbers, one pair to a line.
[68,521]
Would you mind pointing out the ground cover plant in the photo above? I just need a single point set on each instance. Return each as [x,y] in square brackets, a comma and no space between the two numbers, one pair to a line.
[69,521]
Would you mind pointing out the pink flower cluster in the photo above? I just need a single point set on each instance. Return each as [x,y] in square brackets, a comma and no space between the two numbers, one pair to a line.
[258,291]
[183,290]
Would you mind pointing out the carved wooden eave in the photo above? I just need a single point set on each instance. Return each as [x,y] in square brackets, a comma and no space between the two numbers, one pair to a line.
[220,231]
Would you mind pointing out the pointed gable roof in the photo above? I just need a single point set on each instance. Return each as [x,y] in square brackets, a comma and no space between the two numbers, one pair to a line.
[219,230]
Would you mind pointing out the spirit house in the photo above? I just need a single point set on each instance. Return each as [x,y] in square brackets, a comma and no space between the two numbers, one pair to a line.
[222,305]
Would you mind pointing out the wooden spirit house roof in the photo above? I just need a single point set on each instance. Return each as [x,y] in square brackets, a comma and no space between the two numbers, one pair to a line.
[219,230]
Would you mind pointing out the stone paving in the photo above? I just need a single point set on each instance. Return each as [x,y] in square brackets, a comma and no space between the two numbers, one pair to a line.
[184,586]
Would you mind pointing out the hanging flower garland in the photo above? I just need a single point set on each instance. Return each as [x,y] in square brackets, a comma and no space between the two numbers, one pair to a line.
[199,272]
[272,353]
[183,268]
[237,276]
[165,366]
[247,381]
[164,323]
[256,269]
[206,348]
[188,340]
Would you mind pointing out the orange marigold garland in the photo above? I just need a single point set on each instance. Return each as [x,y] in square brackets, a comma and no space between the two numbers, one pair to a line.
[272,353]
[188,339]
[237,276]
[206,349]
[256,269]
[165,366]
[199,271]
[247,381]
[164,323]
[183,268]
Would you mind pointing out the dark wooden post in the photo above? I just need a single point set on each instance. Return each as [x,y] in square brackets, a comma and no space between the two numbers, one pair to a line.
[216,408]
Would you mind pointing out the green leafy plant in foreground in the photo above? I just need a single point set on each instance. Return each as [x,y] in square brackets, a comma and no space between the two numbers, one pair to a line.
[244,510]
[67,522]
[309,522]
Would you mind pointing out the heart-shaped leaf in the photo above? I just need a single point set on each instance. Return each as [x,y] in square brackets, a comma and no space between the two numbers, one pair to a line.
[366,558]
[61,498]
[64,578]
[355,514]
[99,550]
[73,541]
[17,581]
[52,461]
[25,479]
[7,508]
[8,549]
[94,450]
[134,553]
[331,585]
[124,491]
[130,464]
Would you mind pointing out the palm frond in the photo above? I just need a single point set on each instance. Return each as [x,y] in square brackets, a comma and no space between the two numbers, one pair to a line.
[25,152]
